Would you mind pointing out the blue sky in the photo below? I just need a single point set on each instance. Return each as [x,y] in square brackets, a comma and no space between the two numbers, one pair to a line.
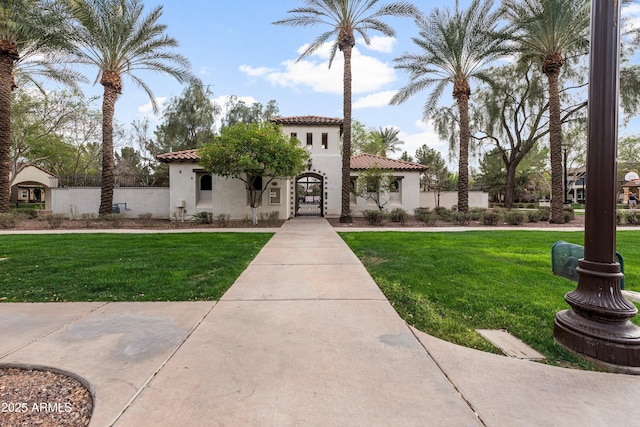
[234,48]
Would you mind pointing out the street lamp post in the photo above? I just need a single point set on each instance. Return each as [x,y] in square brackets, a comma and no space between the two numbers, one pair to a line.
[597,325]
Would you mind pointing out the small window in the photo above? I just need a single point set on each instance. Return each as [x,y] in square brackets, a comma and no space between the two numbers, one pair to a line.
[395,185]
[294,135]
[309,139]
[274,196]
[205,183]
[256,182]
[325,140]
[25,194]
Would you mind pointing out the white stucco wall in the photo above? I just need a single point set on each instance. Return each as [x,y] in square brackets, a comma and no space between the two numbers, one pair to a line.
[326,162]
[407,198]
[87,200]
[228,195]
[477,199]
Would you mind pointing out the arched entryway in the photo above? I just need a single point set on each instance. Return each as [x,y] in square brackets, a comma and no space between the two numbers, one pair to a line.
[309,195]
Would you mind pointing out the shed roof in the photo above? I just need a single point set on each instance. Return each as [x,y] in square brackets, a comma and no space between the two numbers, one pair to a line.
[367,161]
[179,156]
[308,121]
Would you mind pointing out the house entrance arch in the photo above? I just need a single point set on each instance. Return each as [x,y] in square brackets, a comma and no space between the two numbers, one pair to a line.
[309,195]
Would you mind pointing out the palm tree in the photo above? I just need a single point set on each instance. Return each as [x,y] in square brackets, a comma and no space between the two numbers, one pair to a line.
[345,18]
[387,139]
[455,48]
[32,42]
[115,37]
[546,31]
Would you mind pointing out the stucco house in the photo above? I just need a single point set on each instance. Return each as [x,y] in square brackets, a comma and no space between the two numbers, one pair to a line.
[317,191]
[30,185]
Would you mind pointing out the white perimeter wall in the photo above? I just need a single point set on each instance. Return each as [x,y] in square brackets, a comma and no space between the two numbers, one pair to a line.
[87,200]
[477,199]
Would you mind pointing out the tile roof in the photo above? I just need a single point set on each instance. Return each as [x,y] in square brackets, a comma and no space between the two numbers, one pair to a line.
[359,162]
[307,120]
[366,161]
[180,156]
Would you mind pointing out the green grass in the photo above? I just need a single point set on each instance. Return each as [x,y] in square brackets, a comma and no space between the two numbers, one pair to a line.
[123,267]
[449,284]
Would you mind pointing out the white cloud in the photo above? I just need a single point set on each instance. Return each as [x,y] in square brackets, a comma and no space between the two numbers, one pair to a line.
[147,109]
[369,74]
[206,71]
[255,72]
[380,99]
[425,135]
[381,44]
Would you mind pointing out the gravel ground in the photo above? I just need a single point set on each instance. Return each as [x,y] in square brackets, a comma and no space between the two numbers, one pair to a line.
[30,397]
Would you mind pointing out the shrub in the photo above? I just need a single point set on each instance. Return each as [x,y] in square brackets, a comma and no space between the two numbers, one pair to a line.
[420,211]
[9,219]
[426,217]
[55,220]
[271,218]
[114,218]
[203,217]
[444,214]
[620,217]
[461,218]
[374,217]
[88,218]
[146,218]
[533,216]
[569,215]
[490,217]
[223,220]
[514,217]
[399,215]
[632,218]
[476,214]
[545,214]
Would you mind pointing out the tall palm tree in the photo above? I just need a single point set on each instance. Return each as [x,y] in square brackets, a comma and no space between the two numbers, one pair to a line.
[387,139]
[114,36]
[33,41]
[546,31]
[345,18]
[455,48]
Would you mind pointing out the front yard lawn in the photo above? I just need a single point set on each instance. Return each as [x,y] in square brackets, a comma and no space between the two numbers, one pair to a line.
[123,267]
[450,284]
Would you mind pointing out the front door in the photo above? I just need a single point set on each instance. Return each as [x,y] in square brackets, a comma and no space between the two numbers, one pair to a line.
[309,190]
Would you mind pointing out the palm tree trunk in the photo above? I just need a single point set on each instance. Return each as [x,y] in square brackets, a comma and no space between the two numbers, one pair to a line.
[345,213]
[108,178]
[555,148]
[463,161]
[6,69]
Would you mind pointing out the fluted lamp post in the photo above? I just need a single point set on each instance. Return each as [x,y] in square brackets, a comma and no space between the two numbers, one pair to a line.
[597,325]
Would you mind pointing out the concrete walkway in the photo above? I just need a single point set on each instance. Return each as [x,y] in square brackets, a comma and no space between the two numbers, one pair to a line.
[303,338]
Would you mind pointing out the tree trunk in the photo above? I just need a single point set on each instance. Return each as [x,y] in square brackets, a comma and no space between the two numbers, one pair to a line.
[6,69]
[555,149]
[108,178]
[463,164]
[345,213]
[511,185]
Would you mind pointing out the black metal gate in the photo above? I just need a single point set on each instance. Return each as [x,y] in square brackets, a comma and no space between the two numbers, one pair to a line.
[309,190]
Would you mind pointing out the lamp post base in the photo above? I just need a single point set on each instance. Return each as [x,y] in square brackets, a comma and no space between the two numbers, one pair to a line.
[614,343]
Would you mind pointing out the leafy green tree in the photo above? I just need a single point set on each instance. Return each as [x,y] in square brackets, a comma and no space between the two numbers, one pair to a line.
[406,157]
[33,37]
[237,111]
[188,121]
[345,18]
[437,177]
[454,49]
[546,33]
[252,153]
[115,37]
[58,131]
[375,184]
[510,114]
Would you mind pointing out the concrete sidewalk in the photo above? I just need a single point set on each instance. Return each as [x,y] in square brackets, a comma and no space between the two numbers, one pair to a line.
[303,337]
